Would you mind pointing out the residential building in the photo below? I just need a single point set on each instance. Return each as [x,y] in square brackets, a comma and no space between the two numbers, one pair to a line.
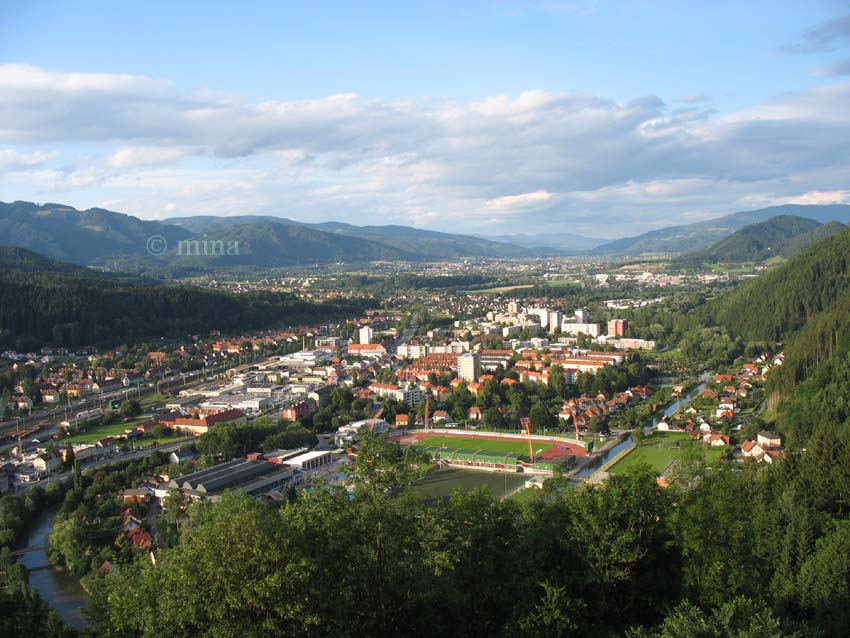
[574,329]
[468,366]
[298,411]
[366,334]
[617,327]
[349,434]
[769,439]
[204,424]
[492,359]
[47,462]
[181,456]
[366,349]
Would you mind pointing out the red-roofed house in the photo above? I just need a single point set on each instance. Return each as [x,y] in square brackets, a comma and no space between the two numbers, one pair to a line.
[440,415]
[204,424]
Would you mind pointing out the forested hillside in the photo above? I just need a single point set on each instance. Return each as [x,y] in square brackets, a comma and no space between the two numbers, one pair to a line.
[805,305]
[777,304]
[101,237]
[756,242]
[690,237]
[799,243]
[44,301]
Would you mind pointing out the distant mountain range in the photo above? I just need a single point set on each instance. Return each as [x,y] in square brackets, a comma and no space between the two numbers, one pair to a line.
[780,236]
[565,242]
[120,242]
[387,242]
[691,237]
[101,237]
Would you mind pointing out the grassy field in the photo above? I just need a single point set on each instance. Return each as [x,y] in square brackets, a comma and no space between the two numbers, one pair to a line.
[488,445]
[554,283]
[440,483]
[498,289]
[95,433]
[659,450]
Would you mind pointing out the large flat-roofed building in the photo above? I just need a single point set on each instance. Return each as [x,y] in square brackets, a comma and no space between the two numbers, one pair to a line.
[591,329]
[366,349]
[309,460]
[631,344]
[492,359]
[255,478]
[184,403]
[305,359]
[249,403]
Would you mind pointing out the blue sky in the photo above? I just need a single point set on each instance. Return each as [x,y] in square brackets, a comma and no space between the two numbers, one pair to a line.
[489,116]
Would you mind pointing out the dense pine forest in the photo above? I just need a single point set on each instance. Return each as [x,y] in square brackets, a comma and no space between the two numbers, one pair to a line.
[45,301]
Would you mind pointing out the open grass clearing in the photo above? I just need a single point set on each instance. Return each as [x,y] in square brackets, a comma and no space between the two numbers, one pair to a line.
[661,449]
[499,289]
[96,432]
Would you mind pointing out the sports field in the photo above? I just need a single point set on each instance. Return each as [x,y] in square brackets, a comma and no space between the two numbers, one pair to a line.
[507,446]
[659,451]
[498,289]
[96,432]
[440,483]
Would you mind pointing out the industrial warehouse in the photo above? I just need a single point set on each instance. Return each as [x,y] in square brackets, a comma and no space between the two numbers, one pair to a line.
[259,475]
[255,478]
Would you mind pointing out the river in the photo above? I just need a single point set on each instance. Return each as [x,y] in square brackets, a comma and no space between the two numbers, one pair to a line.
[60,589]
[589,470]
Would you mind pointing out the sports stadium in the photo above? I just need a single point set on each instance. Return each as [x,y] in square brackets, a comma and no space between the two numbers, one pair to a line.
[495,452]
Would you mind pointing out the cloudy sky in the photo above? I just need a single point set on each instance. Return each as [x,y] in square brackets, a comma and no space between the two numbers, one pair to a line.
[602,118]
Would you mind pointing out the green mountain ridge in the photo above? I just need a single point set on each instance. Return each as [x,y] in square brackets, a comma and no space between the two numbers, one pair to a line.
[93,236]
[803,304]
[387,242]
[101,237]
[780,236]
[691,237]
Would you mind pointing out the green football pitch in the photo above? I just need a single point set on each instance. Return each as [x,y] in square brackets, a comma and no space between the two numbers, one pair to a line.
[440,483]
[506,446]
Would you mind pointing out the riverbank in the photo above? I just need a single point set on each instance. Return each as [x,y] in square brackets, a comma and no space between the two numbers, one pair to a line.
[62,591]
[595,469]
